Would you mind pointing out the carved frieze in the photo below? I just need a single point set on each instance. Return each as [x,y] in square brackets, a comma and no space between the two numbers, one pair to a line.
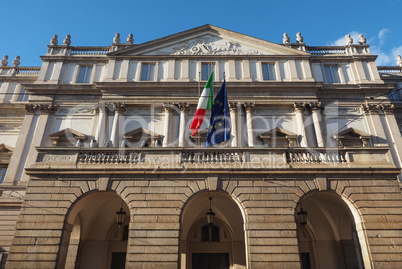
[184,106]
[47,108]
[30,108]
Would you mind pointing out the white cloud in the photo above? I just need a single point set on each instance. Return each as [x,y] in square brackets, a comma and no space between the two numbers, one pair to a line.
[342,40]
[385,56]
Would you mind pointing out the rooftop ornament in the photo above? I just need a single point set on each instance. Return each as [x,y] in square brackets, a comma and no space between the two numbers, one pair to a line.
[116,39]
[4,61]
[130,39]
[67,40]
[362,40]
[54,41]
[299,38]
[398,60]
[16,61]
[349,40]
[286,39]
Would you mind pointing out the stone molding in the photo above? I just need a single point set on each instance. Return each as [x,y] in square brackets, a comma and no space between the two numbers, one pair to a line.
[370,108]
[249,106]
[388,109]
[48,108]
[232,106]
[119,107]
[184,106]
[31,109]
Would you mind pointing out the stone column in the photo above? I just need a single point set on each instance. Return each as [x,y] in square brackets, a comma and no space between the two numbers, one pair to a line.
[184,108]
[168,109]
[316,109]
[298,107]
[250,107]
[393,135]
[119,109]
[19,147]
[38,136]
[374,123]
[233,119]
[101,128]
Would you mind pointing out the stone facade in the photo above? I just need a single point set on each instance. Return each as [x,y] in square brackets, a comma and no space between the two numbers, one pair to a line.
[106,130]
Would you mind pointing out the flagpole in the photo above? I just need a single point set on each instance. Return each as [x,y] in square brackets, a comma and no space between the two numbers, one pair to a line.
[199,83]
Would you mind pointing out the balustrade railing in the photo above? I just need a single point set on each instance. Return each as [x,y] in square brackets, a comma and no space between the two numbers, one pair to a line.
[83,51]
[27,70]
[326,50]
[315,157]
[390,70]
[108,157]
[212,157]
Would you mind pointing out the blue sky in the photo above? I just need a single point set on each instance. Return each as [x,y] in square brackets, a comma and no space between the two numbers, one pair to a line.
[27,26]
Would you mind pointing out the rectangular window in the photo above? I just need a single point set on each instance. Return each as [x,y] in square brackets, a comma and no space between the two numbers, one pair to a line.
[206,70]
[268,71]
[2,174]
[332,74]
[84,75]
[148,72]
[22,95]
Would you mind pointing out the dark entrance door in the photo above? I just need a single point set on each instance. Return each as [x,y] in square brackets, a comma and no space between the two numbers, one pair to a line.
[118,260]
[210,261]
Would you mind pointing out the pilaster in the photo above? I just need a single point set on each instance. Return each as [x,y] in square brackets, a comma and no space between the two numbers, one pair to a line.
[371,112]
[119,109]
[233,119]
[316,109]
[184,109]
[101,128]
[250,108]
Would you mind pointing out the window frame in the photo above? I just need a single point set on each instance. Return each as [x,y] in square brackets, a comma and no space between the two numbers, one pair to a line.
[25,95]
[87,79]
[149,76]
[331,67]
[210,68]
[272,74]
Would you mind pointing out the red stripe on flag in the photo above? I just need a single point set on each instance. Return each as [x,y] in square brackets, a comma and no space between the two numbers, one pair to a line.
[197,121]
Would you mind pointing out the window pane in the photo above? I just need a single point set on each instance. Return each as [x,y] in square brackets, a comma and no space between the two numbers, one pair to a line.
[88,75]
[335,74]
[268,71]
[147,72]
[23,95]
[206,70]
[81,76]
[2,174]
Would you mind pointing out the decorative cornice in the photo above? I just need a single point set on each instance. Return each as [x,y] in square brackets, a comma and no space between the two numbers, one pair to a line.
[232,106]
[388,108]
[184,106]
[168,106]
[30,108]
[315,106]
[299,106]
[47,108]
[371,108]
[249,106]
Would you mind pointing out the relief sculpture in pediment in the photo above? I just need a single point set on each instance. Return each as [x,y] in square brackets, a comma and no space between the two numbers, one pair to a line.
[208,46]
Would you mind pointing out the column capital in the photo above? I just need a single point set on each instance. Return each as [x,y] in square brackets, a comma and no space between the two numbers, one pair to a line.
[119,107]
[370,108]
[299,106]
[168,106]
[184,106]
[388,109]
[249,106]
[315,106]
[48,108]
[30,108]
[232,106]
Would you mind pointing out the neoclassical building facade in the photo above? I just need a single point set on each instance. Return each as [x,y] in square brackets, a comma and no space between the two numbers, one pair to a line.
[99,168]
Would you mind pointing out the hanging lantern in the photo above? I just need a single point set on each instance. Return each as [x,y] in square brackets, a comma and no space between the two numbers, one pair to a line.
[210,214]
[120,216]
[302,216]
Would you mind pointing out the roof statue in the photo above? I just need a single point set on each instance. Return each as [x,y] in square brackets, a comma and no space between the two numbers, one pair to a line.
[299,38]
[116,39]
[67,40]
[286,38]
[130,39]
[349,40]
[54,41]
[16,61]
[4,62]
[362,40]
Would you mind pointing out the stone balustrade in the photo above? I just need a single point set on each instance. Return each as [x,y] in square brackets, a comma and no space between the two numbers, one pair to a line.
[89,51]
[390,70]
[211,158]
[27,70]
[326,50]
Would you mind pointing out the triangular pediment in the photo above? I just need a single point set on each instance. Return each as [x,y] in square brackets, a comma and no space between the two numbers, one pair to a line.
[278,137]
[207,40]
[278,132]
[139,132]
[5,153]
[68,136]
[352,137]
[352,132]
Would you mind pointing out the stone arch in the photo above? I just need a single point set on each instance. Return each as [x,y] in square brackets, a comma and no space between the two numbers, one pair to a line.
[229,219]
[333,235]
[91,237]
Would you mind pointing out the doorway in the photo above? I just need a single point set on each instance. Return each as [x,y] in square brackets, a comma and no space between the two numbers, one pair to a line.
[210,261]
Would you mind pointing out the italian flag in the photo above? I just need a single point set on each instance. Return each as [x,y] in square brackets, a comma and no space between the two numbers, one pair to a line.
[204,103]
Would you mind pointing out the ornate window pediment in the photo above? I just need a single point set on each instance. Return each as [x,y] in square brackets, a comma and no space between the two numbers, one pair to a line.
[67,137]
[352,137]
[278,137]
[200,138]
[5,153]
[143,138]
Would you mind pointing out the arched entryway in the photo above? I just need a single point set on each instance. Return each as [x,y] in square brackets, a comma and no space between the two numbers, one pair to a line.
[93,239]
[220,245]
[329,239]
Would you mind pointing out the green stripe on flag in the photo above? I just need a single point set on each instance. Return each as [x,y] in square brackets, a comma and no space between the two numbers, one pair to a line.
[210,85]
